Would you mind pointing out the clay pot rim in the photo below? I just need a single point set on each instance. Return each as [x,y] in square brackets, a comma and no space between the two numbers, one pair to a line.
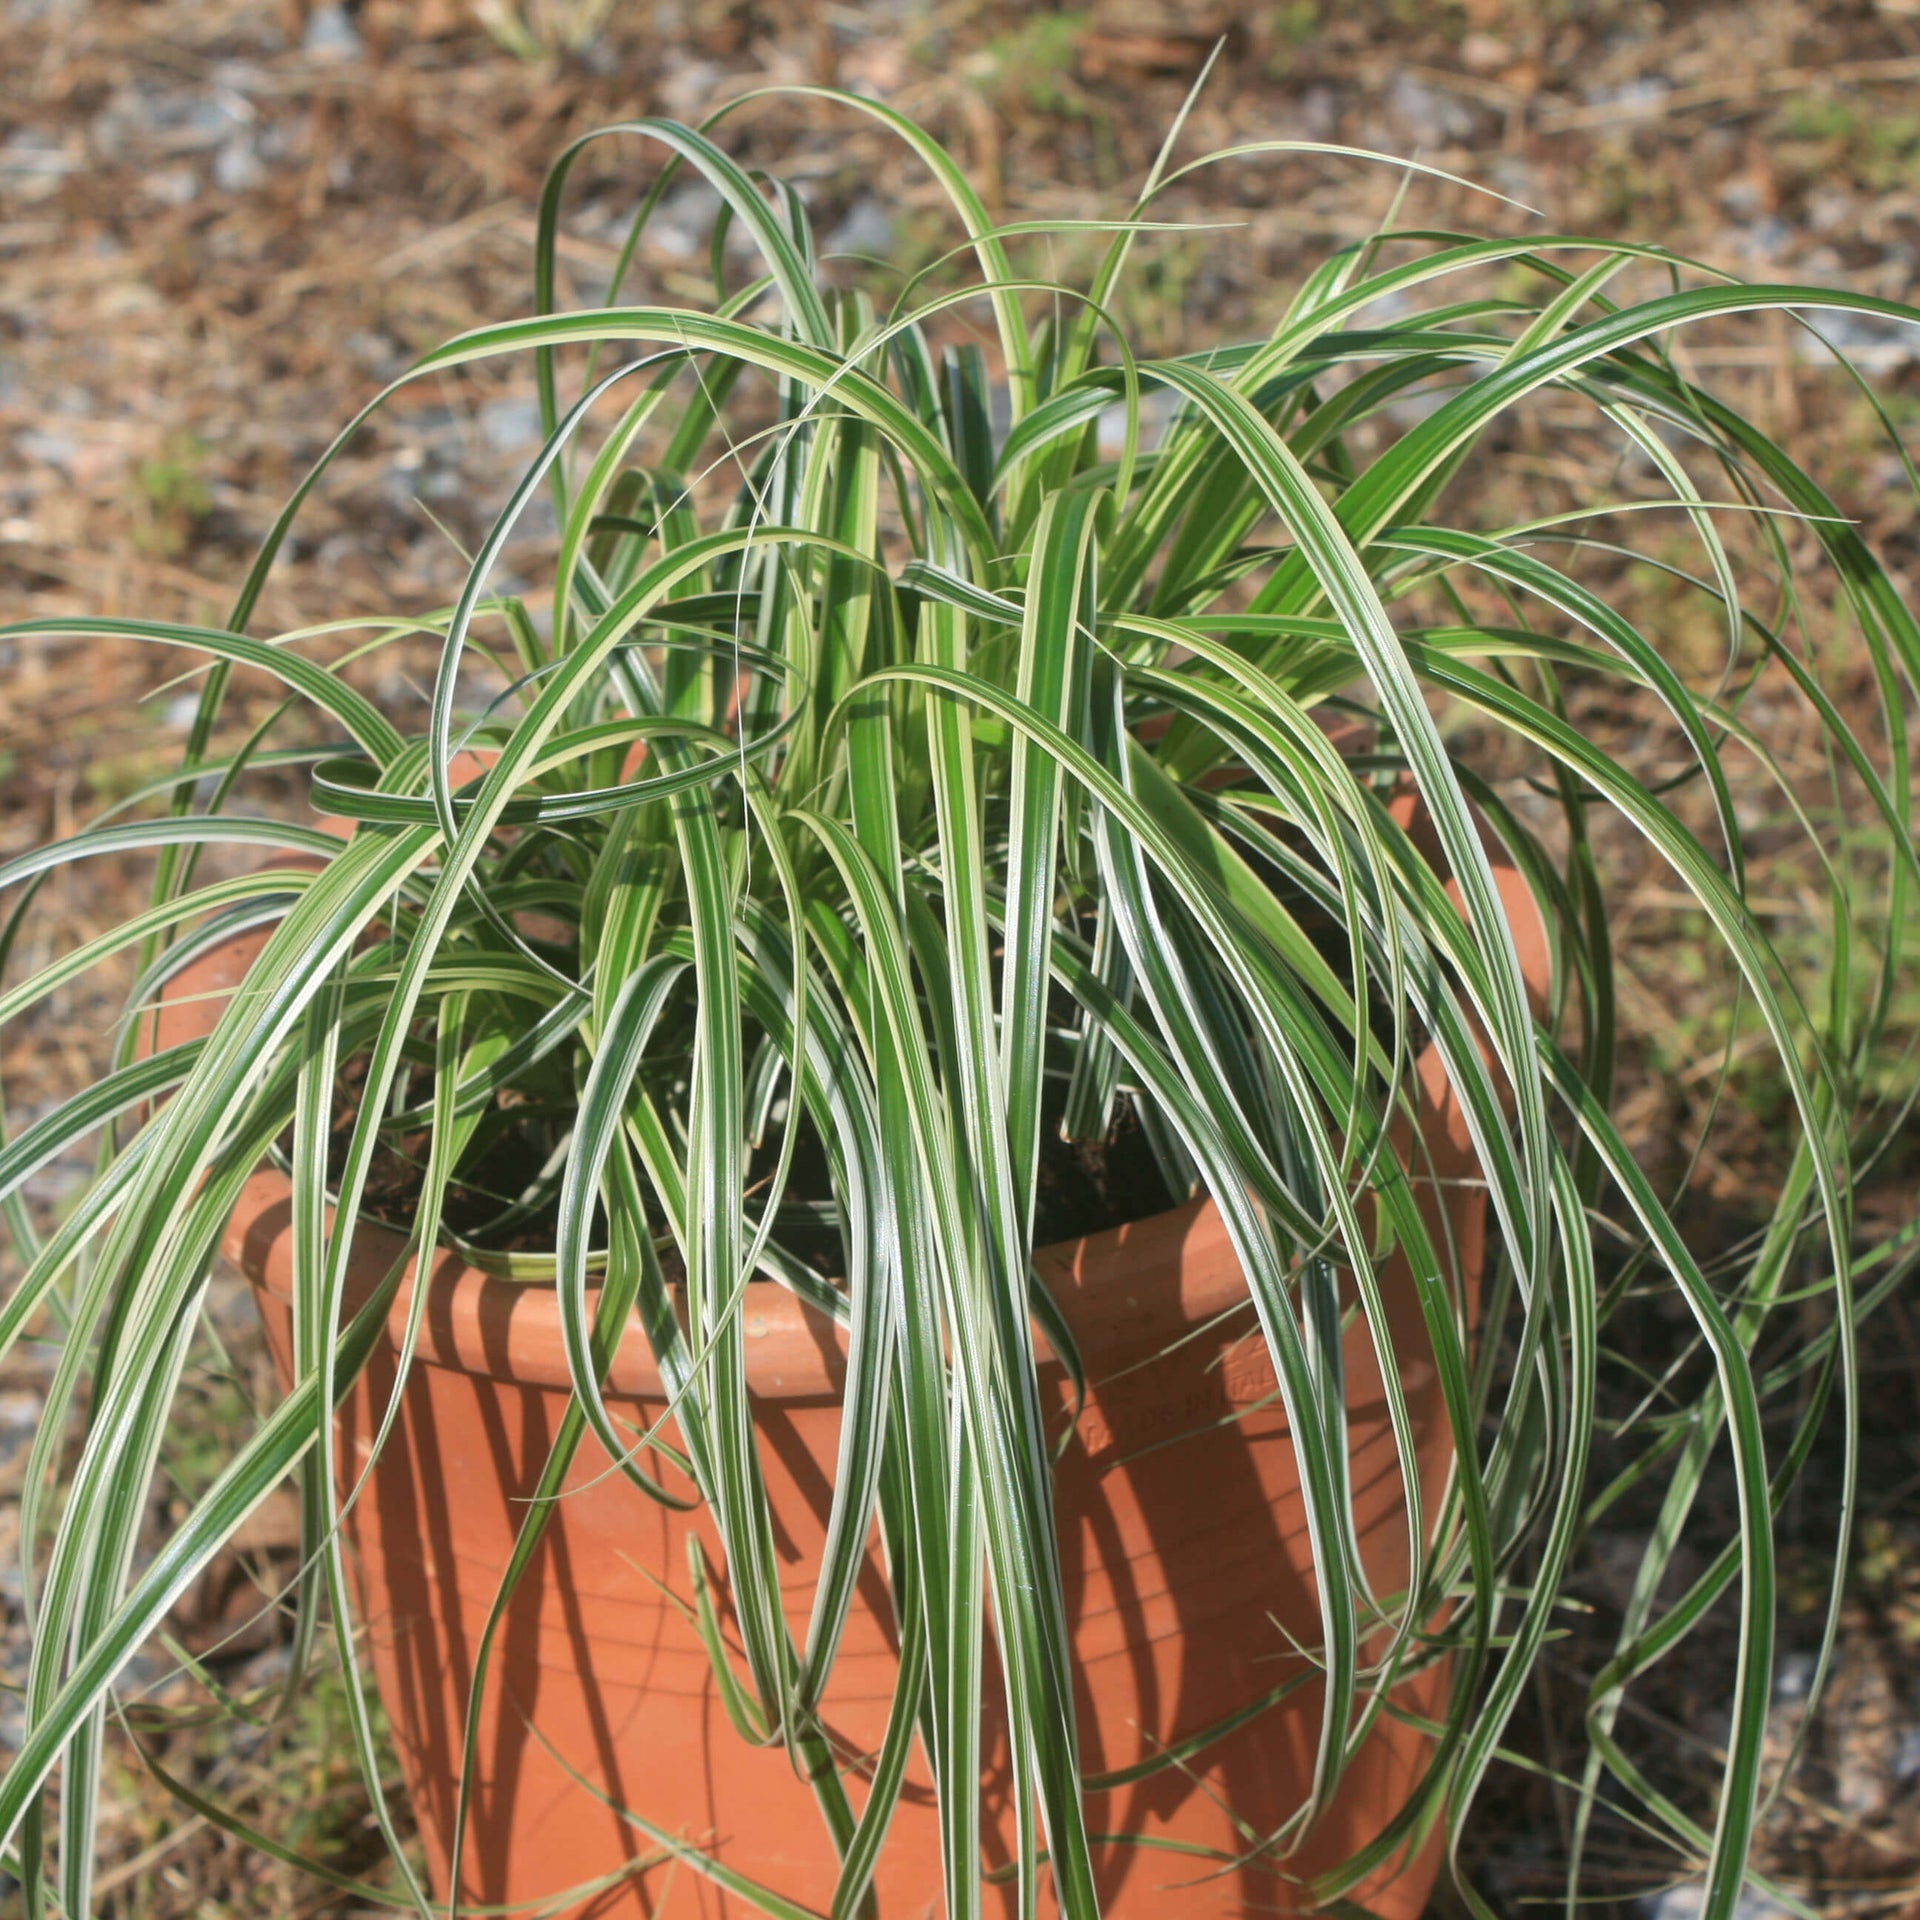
[1124,1291]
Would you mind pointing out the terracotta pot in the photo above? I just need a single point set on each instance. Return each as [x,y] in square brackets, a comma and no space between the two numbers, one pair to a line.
[1182,1533]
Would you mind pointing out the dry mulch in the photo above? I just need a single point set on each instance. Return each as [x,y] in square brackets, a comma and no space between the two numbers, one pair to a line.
[224,222]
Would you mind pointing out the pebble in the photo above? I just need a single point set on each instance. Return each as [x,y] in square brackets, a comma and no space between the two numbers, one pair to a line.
[50,449]
[1689,1899]
[1876,346]
[1829,211]
[1642,94]
[1157,408]
[146,119]
[689,88]
[31,169]
[237,168]
[1767,239]
[229,1307]
[331,35]
[1431,116]
[683,221]
[1316,115]
[510,424]
[1793,1678]
[379,353]
[172,186]
[867,228]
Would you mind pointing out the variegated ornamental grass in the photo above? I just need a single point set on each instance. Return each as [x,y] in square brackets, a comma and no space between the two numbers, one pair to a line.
[935,712]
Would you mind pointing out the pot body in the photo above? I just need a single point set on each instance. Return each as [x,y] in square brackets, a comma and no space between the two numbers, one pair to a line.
[1185,1558]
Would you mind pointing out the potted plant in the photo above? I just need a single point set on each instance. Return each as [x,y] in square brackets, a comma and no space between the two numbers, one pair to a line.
[925,1164]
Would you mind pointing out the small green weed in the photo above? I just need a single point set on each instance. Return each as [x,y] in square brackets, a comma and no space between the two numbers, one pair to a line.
[1034,65]
[175,496]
